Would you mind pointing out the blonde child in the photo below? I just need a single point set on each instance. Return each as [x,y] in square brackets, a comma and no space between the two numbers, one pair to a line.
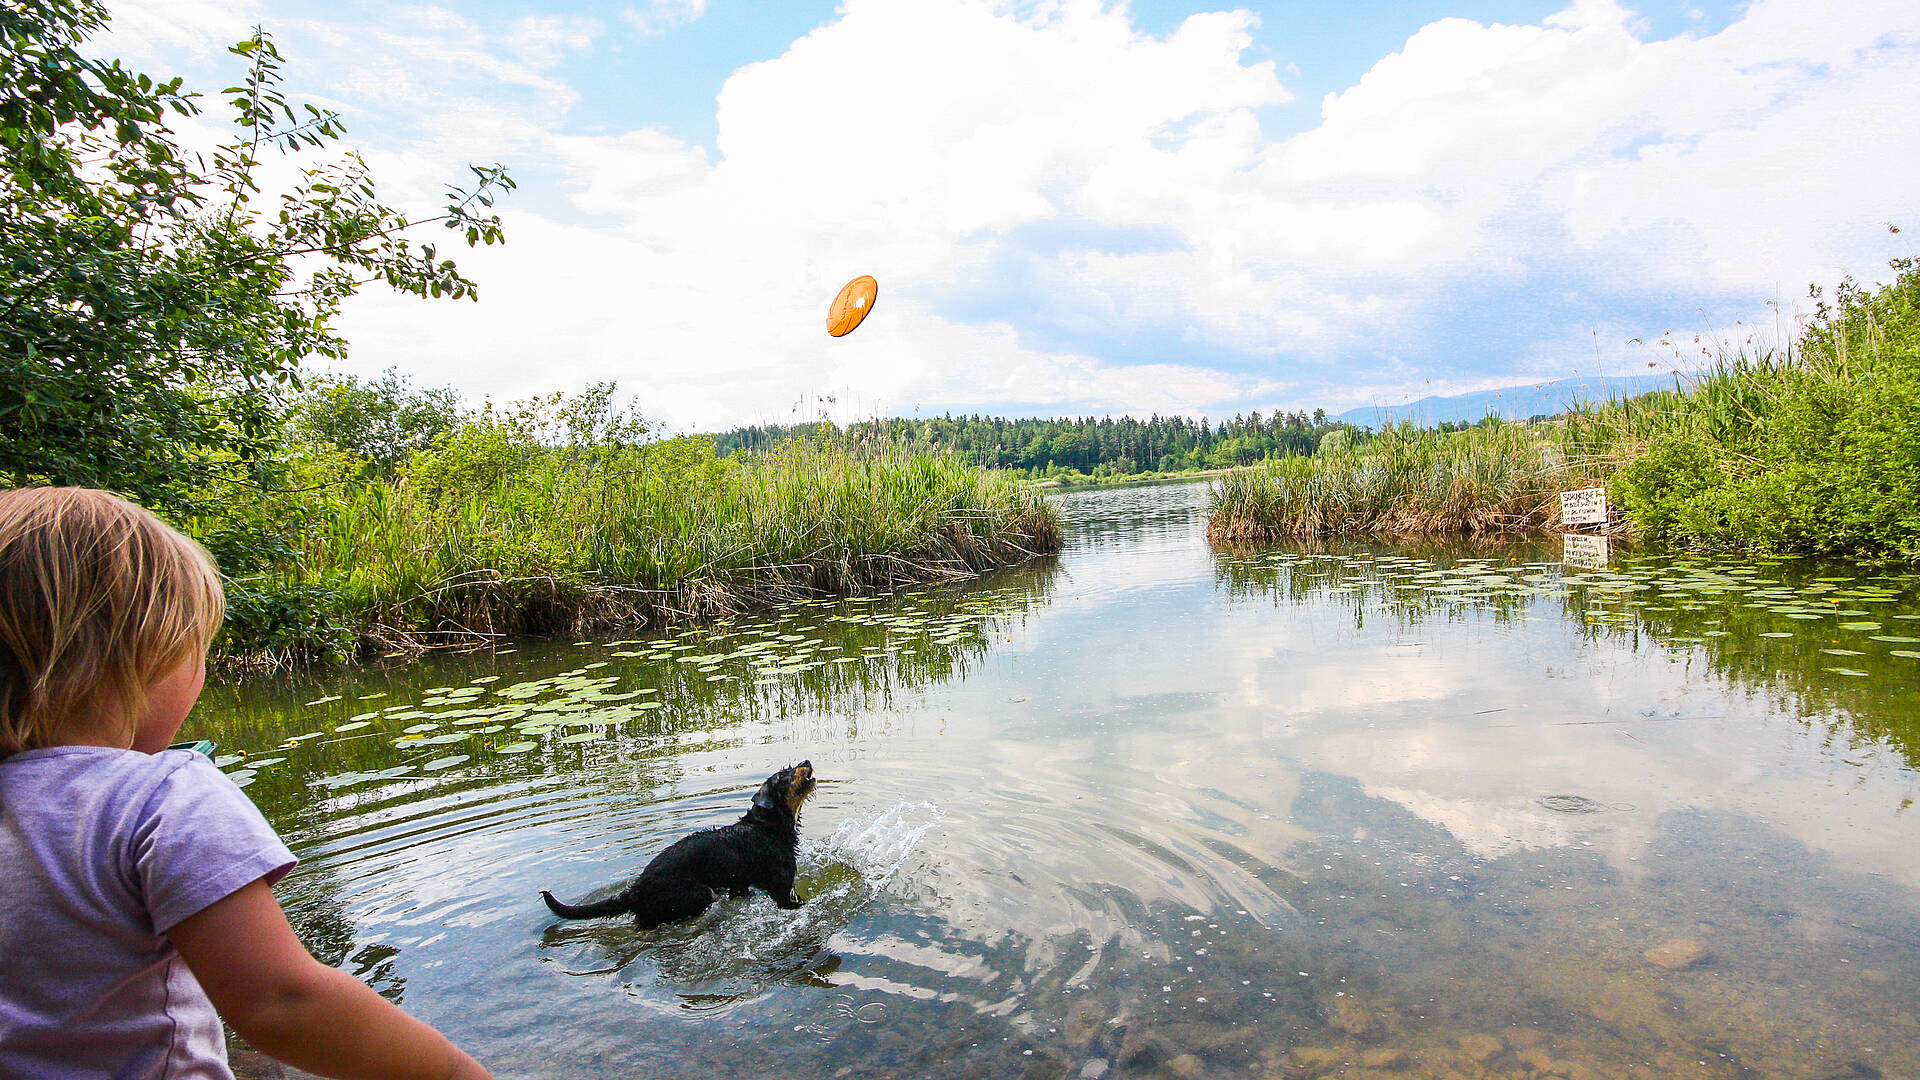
[134,880]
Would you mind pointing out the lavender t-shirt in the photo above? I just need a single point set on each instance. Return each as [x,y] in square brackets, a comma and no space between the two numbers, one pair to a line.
[102,851]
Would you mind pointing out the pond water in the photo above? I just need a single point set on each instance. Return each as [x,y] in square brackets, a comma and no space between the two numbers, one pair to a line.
[1152,810]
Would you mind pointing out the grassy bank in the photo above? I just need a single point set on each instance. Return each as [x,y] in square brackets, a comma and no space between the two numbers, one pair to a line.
[488,537]
[1818,452]
[1815,450]
[1402,482]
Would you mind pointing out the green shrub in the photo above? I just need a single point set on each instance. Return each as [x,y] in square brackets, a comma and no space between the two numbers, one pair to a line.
[1816,453]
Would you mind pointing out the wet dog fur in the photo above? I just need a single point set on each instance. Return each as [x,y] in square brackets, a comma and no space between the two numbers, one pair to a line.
[756,851]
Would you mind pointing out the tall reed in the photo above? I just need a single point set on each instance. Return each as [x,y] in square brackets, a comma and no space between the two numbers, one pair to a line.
[1811,449]
[566,542]
[1405,481]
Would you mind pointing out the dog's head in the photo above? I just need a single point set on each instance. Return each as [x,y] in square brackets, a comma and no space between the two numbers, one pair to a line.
[789,787]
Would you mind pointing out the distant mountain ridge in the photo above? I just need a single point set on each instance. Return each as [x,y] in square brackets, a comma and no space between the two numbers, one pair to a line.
[1508,402]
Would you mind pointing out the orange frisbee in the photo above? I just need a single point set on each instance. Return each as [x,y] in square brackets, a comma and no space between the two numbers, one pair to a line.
[852,305]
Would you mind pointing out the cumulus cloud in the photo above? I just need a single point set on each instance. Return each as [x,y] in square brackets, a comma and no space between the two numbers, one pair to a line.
[997,167]
[703,281]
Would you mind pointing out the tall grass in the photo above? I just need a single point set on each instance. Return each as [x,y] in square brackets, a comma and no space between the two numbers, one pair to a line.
[1813,449]
[567,543]
[1405,481]
[1814,453]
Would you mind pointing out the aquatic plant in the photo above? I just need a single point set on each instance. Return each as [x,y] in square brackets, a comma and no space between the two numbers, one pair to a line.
[1813,449]
[553,540]
[1405,481]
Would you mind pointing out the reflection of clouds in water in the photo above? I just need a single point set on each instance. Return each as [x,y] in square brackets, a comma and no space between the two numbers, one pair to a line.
[1141,763]
[1513,698]
[1485,828]
[1306,677]
[1481,777]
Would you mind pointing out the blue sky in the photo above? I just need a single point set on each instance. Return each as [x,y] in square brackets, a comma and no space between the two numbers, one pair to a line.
[1077,207]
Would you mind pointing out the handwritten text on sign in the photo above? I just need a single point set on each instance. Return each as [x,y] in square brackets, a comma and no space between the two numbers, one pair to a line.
[1588,506]
[1578,550]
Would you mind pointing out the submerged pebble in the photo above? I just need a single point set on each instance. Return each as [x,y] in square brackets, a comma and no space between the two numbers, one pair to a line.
[1676,954]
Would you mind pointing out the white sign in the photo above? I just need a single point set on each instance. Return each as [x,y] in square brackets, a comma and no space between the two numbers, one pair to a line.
[1580,550]
[1588,506]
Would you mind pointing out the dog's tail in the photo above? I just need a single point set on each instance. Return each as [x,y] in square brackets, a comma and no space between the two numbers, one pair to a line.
[612,905]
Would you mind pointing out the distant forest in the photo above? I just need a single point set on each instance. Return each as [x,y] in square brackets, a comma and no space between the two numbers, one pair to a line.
[1104,446]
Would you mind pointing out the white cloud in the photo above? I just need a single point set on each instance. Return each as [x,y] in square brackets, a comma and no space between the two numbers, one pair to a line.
[141,30]
[927,144]
[1760,157]
[542,41]
[855,152]
[662,15]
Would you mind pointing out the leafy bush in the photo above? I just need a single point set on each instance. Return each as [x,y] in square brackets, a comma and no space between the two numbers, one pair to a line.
[1817,452]
[156,304]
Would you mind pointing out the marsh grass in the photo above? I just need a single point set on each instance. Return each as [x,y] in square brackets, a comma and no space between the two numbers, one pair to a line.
[1809,449]
[563,542]
[1405,481]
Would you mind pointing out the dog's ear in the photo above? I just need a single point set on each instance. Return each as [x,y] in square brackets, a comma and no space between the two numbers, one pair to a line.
[765,797]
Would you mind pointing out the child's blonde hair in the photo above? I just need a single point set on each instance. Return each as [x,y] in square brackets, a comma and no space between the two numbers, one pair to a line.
[99,601]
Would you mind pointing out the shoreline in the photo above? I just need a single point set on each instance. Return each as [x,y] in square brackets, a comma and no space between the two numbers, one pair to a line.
[659,618]
[659,536]
[1142,480]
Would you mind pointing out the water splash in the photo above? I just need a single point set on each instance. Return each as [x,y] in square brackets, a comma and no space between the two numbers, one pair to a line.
[876,849]
[739,947]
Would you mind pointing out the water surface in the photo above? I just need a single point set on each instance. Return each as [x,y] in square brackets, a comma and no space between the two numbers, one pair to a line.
[1152,810]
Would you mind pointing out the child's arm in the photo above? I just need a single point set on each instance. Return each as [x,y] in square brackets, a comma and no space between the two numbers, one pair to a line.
[309,1015]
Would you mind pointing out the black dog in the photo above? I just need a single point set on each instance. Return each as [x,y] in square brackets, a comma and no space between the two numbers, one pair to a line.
[681,881]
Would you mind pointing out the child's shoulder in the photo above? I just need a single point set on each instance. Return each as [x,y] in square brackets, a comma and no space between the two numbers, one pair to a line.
[104,772]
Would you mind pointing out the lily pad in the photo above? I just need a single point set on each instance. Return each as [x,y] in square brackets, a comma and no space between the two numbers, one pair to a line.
[516,748]
[345,779]
[446,762]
